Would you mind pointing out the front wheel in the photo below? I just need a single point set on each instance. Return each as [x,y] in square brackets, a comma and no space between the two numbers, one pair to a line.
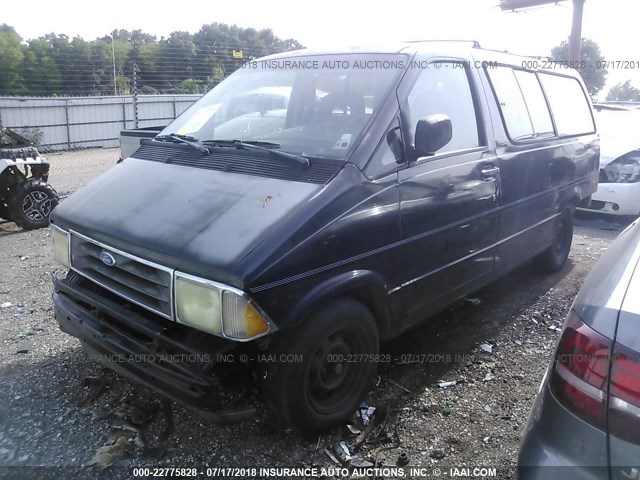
[31,203]
[320,371]
[555,256]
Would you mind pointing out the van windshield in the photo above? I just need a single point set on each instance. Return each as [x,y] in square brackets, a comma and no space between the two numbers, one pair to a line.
[314,106]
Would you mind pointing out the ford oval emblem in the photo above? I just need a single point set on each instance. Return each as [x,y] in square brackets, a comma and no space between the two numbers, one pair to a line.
[108,259]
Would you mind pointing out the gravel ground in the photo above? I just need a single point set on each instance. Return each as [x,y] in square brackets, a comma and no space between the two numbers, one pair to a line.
[57,409]
[71,170]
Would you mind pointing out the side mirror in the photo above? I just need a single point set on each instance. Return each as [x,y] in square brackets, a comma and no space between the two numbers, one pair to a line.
[432,133]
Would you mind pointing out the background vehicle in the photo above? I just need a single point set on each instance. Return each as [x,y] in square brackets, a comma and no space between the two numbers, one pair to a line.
[130,139]
[390,185]
[25,197]
[619,185]
[587,413]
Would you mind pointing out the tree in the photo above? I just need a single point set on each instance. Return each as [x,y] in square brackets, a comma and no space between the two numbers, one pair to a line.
[147,90]
[40,73]
[146,57]
[11,57]
[122,49]
[216,42]
[593,73]
[217,75]
[175,56]
[73,61]
[80,64]
[102,67]
[55,64]
[624,92]
[188,85]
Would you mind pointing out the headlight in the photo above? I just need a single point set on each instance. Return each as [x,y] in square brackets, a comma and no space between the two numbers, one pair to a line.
[60,245]
[198,305]
[217,309]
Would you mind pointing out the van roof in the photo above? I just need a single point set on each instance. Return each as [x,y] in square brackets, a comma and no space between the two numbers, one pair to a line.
[442,47]
[394,47]
[467,49]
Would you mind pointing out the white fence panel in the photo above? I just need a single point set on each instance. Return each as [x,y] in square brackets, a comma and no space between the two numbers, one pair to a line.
[68,123]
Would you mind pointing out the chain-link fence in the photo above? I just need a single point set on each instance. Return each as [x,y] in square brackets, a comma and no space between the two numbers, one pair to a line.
[80,135]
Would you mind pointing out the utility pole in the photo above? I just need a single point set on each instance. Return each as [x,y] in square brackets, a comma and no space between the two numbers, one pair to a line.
[575,40]
[135,96]
[113,56]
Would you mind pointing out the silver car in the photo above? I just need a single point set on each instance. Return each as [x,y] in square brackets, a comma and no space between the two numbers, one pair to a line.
[585,422]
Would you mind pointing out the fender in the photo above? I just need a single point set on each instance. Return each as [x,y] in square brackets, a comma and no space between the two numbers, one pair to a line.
[366,286]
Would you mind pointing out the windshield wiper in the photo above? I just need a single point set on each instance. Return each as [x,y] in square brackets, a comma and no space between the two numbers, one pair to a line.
[186,140]
[259,146]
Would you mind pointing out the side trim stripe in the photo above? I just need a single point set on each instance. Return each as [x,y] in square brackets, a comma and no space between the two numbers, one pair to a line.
[324,268]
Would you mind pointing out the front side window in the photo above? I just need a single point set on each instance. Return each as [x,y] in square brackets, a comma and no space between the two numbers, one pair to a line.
[314,106]
[390,152]
[443,88]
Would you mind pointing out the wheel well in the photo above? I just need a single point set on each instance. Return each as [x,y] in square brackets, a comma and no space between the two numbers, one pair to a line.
[11,176]
[366,288]
[376,305]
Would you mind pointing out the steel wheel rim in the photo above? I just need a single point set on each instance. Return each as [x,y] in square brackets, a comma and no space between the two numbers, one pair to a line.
[332,375]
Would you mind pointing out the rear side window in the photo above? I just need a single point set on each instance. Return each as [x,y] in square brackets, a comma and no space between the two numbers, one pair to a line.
[569,104]
[536,103]
[512,104]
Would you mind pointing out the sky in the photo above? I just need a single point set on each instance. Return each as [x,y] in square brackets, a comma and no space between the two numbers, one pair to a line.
[335,23]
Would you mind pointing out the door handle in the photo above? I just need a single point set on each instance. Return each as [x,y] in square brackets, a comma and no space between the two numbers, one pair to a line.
[490,172]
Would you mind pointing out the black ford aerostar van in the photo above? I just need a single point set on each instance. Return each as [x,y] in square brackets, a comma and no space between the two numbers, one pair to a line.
[313,205]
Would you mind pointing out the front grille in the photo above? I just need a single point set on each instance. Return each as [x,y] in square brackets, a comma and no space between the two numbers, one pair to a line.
[139,281]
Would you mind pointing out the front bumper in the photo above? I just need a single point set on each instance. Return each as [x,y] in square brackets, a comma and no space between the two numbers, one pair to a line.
[156,353]
[616,199]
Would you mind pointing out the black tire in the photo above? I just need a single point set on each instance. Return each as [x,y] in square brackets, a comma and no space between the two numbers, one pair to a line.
[553,258]
[320,392]
[4,211]
[30,204]
[4,208]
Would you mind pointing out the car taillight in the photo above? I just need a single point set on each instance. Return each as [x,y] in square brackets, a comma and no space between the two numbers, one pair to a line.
[580,371]
[624,395]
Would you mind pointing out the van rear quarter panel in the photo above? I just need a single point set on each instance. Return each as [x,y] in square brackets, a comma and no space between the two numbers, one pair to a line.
[539,179]
[538,183]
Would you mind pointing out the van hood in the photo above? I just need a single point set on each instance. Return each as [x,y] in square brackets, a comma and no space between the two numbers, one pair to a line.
[201,221]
